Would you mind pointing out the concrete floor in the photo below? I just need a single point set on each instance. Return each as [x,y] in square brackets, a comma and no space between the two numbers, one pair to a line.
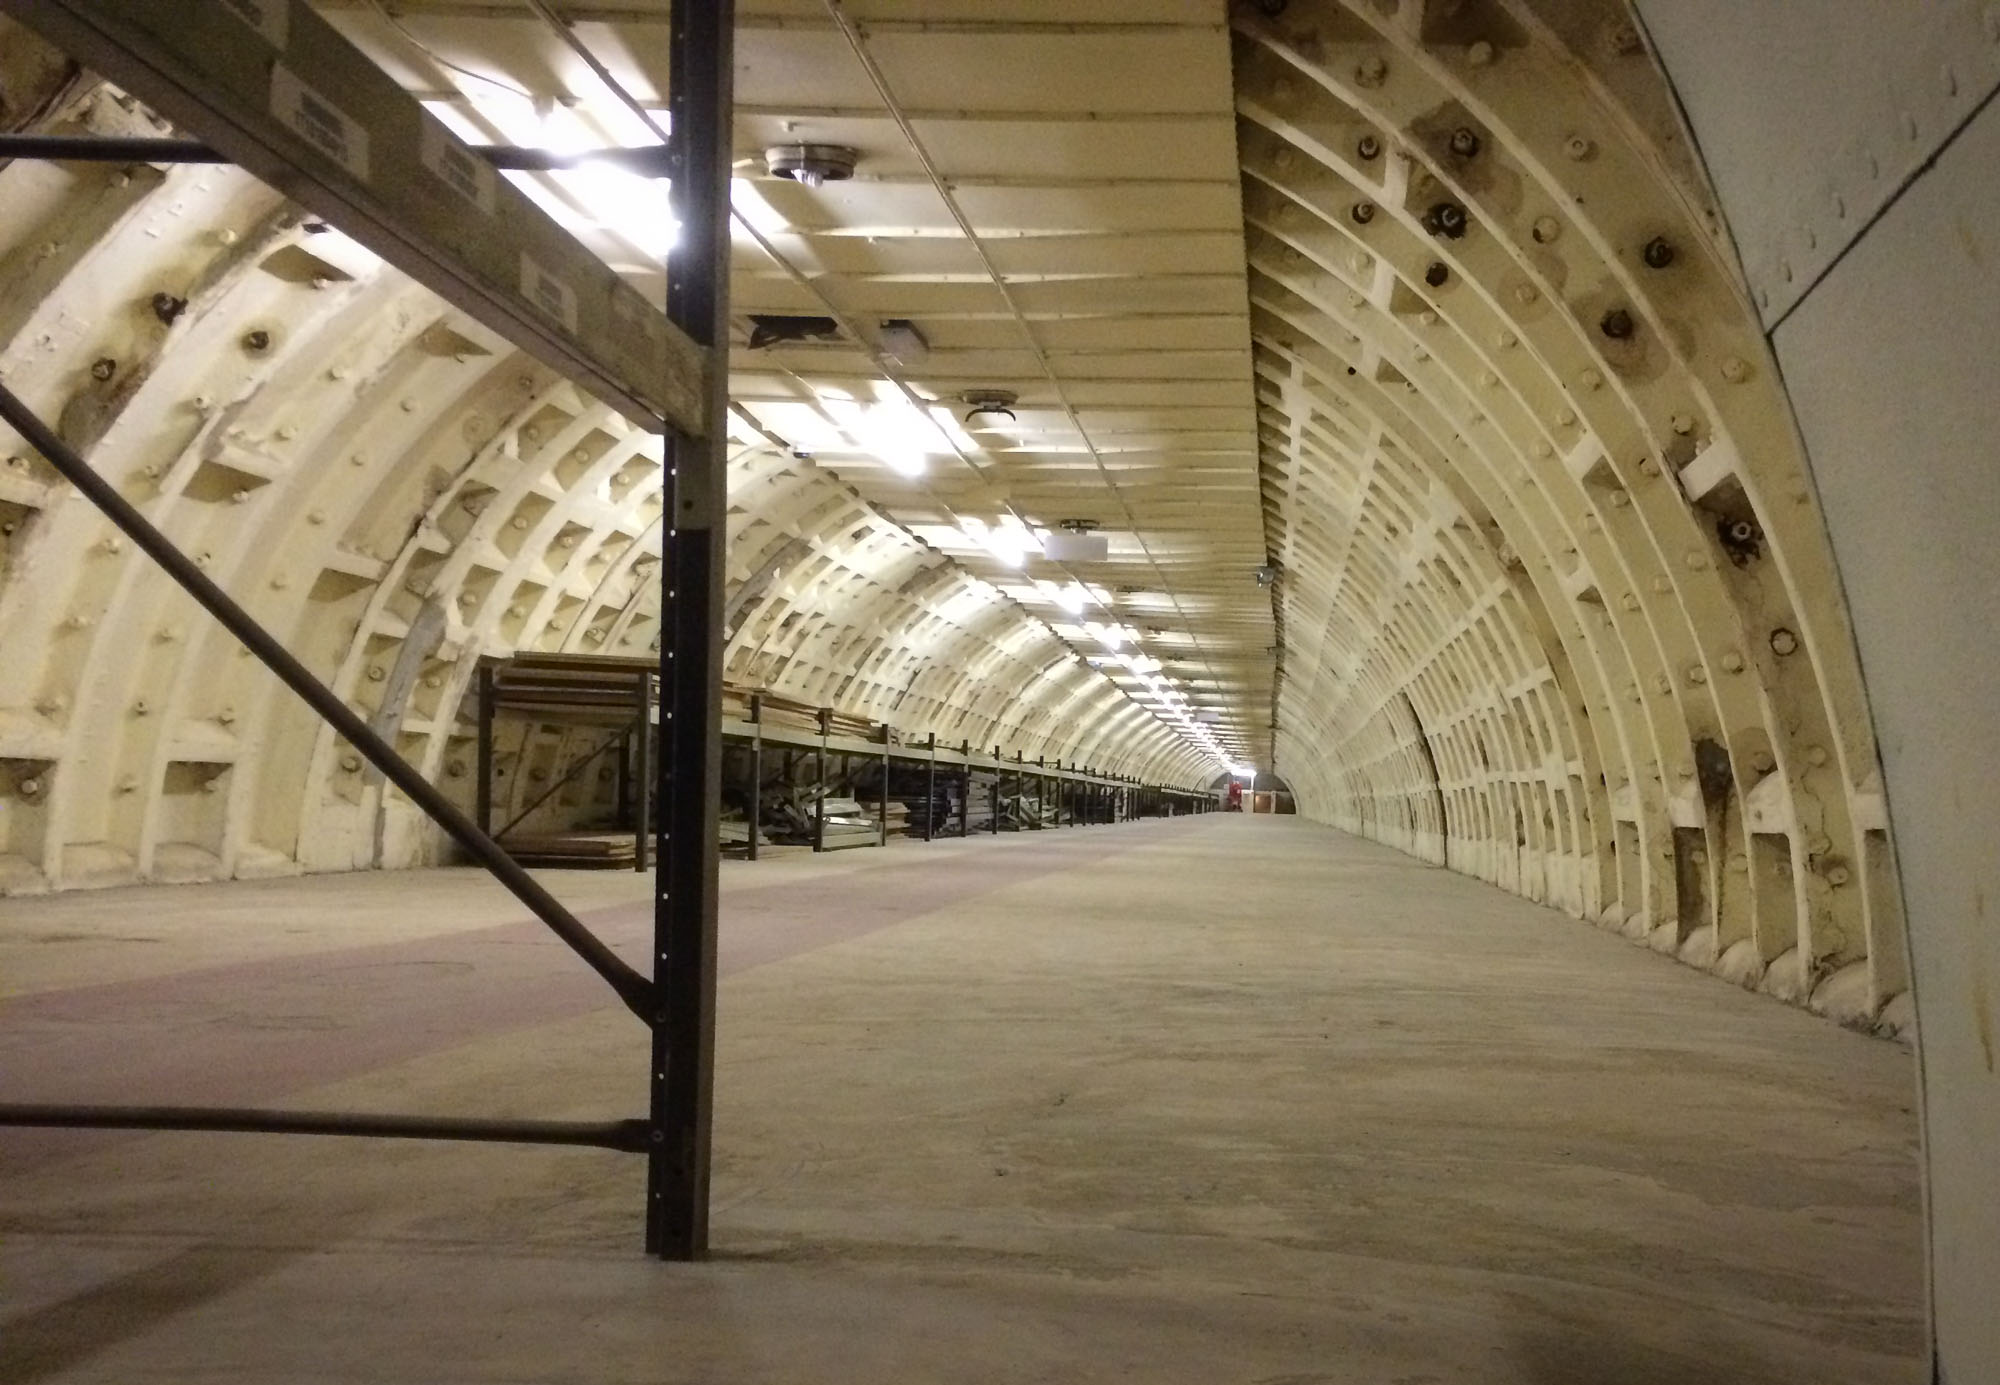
[1212,1100]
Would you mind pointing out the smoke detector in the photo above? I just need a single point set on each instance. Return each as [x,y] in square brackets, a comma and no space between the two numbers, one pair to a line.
[1076,543]
[991,411]
[811,164]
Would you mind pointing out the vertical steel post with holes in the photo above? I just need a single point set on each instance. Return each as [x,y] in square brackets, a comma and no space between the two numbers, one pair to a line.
[682,1076]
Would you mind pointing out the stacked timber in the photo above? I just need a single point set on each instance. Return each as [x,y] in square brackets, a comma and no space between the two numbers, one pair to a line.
[576,850]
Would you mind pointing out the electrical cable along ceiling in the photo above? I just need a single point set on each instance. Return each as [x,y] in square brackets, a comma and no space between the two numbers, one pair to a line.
[1556,606]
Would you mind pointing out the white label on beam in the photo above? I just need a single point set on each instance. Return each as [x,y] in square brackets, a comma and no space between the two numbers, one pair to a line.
[548,293]
[319,122]
[271,18]
[459,169]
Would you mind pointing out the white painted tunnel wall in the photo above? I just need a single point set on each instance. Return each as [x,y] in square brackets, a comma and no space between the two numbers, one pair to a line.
[395,491]
[1881,276]
[1556,605]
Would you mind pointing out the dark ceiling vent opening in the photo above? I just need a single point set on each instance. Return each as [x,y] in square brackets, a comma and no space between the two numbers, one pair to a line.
[772,329]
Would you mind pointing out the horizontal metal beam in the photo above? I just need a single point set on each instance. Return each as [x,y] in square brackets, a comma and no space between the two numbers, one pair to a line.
[634,989]
[277,89]
[626,1135]
[648,160]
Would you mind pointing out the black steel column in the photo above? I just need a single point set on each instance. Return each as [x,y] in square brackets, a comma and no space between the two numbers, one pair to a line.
[819,777]
[700,65]
[882,814]
[930,792]
[756,770]
[965,786]
[483,813]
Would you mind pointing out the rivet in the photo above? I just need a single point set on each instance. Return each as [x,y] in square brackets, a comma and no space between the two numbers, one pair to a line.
[1696,674]
[1541,448]
[1427,318]
[1682,424]
[1837,876]
[1590,379]
[1489,379]
[1367,147]
[1577,147]
[1696,560]
[1816,754]
[1763,762]
[1663,584]
[237,497]
[226,715]
[140,707]
[1648,467]
[338,372]
[1735,370]
[408,405]
[1504,339]
[280,582]
[350,763]
[1565,418]
[1479,53]
[1630,601]
[1525,294]
[128,783]
[1545,229]
[1619,500]
[376,673]
[1658,253]
[1732,661]
[1370,71]
[1783,641]
[315,516]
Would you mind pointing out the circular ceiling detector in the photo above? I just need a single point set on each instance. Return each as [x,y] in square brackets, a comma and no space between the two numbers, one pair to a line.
[991,412]
[811,164]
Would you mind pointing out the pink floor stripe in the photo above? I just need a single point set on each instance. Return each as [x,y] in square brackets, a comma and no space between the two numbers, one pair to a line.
[254,1032]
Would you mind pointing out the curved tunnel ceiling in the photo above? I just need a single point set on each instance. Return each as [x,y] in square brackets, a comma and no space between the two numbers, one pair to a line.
[1397,350]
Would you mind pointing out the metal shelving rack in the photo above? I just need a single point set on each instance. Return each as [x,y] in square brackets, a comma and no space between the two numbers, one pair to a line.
[273,87]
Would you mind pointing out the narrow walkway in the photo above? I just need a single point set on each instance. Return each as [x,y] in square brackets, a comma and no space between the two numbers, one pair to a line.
[1216,1099]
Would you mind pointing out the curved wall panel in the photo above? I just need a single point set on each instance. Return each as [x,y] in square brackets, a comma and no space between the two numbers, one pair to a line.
[395,492]
[1558,609]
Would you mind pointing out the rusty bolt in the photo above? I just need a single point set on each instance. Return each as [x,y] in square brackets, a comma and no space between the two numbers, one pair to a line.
[1616,324]
[1445,219]
[1437,274]
[1370,71]
[1362,213]
[1464,142]
[1368,147]
[1659,253]
[1783,641]
[257,340]
[103,368]
[167,307]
